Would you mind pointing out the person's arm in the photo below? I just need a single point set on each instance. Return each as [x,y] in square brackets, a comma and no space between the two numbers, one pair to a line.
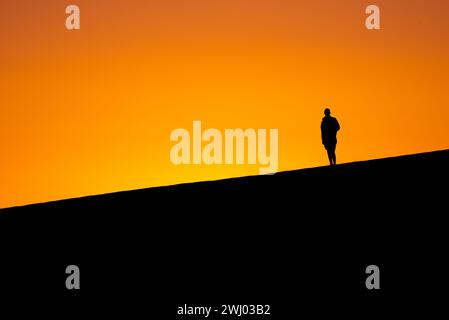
[322,132]
[337,125]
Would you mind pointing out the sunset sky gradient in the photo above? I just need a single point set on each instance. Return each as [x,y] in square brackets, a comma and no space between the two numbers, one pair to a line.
[91,111]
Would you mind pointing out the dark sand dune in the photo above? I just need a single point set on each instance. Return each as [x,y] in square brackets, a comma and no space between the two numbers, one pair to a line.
[299,240]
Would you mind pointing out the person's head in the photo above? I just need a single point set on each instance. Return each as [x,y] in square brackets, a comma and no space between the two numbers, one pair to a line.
[327,112]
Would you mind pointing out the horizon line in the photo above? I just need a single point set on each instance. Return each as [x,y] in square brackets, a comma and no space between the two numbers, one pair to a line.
[223,179]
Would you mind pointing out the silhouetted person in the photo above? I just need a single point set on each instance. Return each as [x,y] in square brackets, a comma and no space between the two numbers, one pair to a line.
[329,128]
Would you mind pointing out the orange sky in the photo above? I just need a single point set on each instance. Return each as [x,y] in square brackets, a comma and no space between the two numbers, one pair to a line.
[91,111]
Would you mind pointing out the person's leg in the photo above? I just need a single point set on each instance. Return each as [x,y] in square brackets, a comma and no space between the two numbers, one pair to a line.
[329,155]
[334,156]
